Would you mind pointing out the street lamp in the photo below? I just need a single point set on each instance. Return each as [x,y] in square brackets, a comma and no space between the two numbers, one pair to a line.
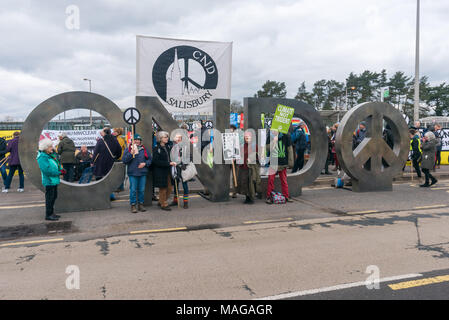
[416,102]
[352,88]
[90,90]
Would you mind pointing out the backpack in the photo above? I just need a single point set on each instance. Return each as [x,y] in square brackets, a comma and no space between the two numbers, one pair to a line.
[277,198]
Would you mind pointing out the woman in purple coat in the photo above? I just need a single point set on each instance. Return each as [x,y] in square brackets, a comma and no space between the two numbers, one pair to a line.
[14,163]
[106,152]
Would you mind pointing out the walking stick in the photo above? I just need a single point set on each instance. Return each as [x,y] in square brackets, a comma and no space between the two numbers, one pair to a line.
[3,162]
[132,139]
[177,193]
[233,173]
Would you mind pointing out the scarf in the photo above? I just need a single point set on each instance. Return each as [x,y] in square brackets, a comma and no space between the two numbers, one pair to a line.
[140,148]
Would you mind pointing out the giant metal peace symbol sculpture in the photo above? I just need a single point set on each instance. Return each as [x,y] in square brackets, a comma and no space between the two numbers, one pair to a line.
[71,196]
[373,164]
[253,107]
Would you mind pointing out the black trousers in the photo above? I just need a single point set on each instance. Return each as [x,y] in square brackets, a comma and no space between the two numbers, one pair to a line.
[416,166]
[51,193]
[299,163]
[428,175]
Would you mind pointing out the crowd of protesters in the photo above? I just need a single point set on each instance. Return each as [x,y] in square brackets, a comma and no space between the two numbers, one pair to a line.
[166,161]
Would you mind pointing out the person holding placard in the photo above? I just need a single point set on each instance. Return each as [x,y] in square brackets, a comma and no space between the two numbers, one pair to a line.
[138,161]
[177,156]
[281,158]
[248,177]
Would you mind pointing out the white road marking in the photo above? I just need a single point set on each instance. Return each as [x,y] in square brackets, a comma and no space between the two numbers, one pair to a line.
[337,287]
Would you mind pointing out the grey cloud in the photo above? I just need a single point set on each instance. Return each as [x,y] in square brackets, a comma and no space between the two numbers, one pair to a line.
[291,41]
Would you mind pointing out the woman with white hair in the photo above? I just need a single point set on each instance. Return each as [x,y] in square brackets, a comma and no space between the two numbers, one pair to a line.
[51,169]
[429,149]
[162,169]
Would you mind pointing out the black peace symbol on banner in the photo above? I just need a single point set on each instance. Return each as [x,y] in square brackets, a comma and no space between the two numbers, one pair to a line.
[192,58]
[131,116]
[373,163]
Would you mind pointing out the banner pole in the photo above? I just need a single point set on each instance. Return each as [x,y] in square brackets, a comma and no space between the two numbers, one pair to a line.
[233,173]
[132,138]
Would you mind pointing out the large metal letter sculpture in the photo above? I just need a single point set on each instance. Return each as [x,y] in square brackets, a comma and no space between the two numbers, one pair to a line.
[71,196]
[253,109]
[216,180]
[384,163]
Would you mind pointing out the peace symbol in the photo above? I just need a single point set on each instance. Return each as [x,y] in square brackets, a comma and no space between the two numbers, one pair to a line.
[384,162]
[131,116]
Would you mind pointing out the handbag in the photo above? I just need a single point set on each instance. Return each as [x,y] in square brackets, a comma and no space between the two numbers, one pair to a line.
[189,172]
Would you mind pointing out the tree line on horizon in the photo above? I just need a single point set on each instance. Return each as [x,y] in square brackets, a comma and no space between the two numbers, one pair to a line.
[364,87]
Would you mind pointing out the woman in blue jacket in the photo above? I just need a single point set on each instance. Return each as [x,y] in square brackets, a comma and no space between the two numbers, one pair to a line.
[138,161]
[51,169]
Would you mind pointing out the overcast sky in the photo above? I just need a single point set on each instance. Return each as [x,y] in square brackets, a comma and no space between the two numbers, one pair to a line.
[283,40]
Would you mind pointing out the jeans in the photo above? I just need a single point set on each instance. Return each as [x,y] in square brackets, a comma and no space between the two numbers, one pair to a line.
[185,188]
[70,175]
[51,193]
[137,189]
[12,170]
[4,174]
[284,185]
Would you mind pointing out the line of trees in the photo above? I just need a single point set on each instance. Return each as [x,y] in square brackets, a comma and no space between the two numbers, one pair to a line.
[368,86]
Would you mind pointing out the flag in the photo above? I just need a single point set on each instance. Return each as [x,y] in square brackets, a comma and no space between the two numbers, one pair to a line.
[185,75]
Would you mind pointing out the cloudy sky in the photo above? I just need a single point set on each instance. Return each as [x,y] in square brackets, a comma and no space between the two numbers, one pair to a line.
[283,40]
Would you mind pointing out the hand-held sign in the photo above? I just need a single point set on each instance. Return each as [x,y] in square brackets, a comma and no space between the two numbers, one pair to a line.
[132,116]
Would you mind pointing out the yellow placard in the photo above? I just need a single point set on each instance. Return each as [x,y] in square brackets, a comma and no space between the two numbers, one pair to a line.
[7,134]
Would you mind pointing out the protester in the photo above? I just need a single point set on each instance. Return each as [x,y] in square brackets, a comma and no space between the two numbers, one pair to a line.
[83,160]
[415,148]
[438,137]
[106,152]
[248,178]
[334,151]
[428,158]
[84,155]
[329,152]
[138,160]
[234,191]
[162,169]
[14,163]
[182,162]
[118,134]
[281,158]
[360,134]
[51,169]
[66,151]
[299,140]
[3,160]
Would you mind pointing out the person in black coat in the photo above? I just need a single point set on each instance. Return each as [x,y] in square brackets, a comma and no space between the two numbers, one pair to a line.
[106,152]
[162,165]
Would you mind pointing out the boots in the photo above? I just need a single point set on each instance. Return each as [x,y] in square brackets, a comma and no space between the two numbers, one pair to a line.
[433,181]
[174,202]
[133,208]
[141,207]
[186,205]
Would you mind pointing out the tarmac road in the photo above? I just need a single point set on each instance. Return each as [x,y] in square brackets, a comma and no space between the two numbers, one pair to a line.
[328,239]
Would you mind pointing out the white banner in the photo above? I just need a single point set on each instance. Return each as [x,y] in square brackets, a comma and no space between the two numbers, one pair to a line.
[86,138]
[186,75]
[231,146]
[444,134]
